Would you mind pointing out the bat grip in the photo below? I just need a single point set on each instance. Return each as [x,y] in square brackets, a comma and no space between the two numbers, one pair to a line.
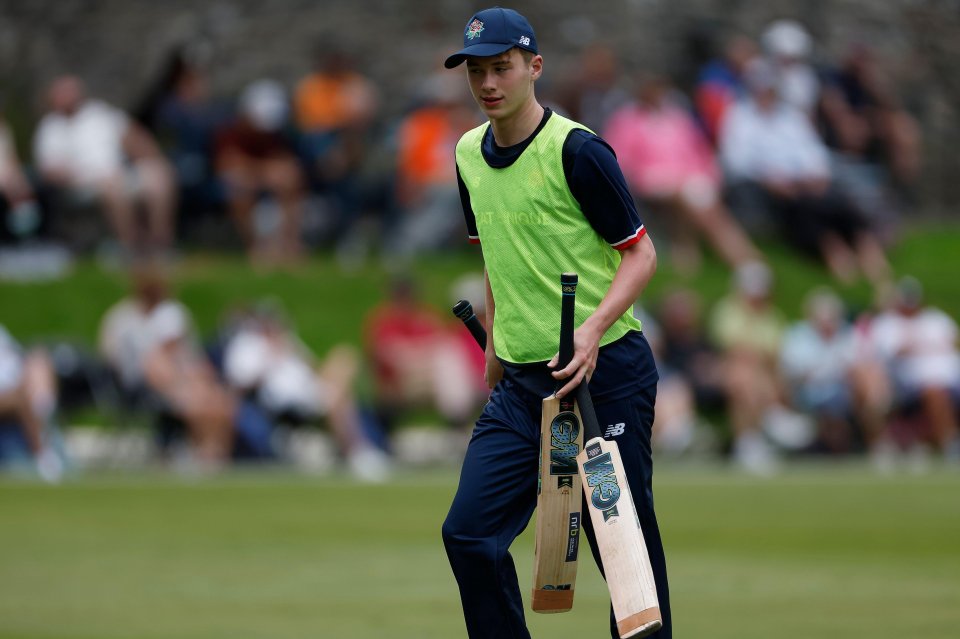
[568,287]
[591,428]
[464,311]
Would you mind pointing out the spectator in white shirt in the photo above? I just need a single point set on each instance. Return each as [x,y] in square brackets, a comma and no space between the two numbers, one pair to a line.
[91,151]
[769,146]
[829,379]
[28,401]
[920,345]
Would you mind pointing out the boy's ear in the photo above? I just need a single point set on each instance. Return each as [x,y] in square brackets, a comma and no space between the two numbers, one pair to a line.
[536,66]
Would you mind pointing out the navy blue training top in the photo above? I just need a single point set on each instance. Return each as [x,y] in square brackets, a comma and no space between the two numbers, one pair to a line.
[598,185]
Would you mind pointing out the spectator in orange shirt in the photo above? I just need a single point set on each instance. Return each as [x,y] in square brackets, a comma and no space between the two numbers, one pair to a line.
[334,109]
[427,192]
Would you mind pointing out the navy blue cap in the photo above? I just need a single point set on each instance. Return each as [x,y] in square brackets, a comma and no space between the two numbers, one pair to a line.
[493,31]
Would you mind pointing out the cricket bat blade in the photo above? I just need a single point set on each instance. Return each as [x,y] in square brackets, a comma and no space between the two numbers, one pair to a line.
[616,526]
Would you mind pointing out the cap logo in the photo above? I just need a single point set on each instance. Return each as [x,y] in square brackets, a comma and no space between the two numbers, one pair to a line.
[525,41]
[474,29]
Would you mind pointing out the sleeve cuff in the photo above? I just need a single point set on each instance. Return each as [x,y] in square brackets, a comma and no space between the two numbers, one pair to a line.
[631,239]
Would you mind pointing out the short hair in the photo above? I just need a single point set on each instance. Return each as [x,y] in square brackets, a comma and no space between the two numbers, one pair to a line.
[526,55]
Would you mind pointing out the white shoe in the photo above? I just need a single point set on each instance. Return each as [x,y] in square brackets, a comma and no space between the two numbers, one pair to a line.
[951,453]
[883,456]
[789,429]
[369,464]
[754,455]
[50,466]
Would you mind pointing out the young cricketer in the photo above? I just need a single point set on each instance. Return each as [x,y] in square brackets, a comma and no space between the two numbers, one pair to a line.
[543,195]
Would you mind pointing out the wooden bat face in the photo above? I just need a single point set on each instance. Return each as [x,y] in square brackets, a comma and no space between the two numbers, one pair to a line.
[558,507]
[616,525]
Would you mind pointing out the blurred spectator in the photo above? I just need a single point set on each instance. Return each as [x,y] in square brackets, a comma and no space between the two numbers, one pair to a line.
[18,207]
[335,107]
[264,359]
[88,152]
[593,92]
[675,423]
[147,340]
[747,329]
[720,83]
[875,142]
[920,345]
[427,190]
[28,401]
[788,46]
[771,150]
[821,368]
[472,287]
[417,361]
[668,163]
[185,118]
[687,350]
[255,157]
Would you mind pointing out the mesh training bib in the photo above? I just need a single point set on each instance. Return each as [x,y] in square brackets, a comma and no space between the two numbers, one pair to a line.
[531,230]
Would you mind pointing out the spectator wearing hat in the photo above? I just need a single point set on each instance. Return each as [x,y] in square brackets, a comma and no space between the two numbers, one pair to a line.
[788,46]
[258,164]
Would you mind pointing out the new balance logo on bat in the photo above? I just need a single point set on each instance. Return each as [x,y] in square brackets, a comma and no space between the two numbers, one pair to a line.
[602,478]
[564,430]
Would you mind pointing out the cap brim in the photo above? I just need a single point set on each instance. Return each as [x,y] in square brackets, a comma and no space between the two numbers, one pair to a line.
[480,50]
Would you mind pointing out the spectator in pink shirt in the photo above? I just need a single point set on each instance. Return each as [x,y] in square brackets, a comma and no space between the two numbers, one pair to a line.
[668,163]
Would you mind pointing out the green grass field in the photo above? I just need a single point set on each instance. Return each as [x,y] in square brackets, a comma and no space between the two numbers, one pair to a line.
[818,551]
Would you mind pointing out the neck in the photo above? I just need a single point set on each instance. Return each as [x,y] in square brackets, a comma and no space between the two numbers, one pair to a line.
[517,127]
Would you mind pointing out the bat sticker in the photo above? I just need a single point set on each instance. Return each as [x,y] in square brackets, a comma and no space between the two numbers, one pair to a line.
[564,431]
[602,478]
[573,541]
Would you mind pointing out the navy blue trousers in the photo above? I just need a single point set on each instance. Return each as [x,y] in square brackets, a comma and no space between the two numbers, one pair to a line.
[498,494]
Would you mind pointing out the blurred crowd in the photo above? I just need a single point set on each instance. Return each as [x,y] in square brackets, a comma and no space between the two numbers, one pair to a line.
[840,381]
[767,140]
[768,143]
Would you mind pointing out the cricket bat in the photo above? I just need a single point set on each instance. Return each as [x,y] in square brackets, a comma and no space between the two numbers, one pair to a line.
[557,537]
[464,312]
[559,501]
[626,562]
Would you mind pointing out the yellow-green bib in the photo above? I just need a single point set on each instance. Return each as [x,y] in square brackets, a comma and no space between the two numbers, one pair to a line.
[531,230]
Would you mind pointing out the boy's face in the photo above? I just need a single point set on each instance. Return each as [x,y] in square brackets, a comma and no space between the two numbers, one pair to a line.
[503,84]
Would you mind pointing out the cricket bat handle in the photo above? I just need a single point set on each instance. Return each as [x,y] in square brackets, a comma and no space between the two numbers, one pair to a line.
[464,310]
[591,428]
